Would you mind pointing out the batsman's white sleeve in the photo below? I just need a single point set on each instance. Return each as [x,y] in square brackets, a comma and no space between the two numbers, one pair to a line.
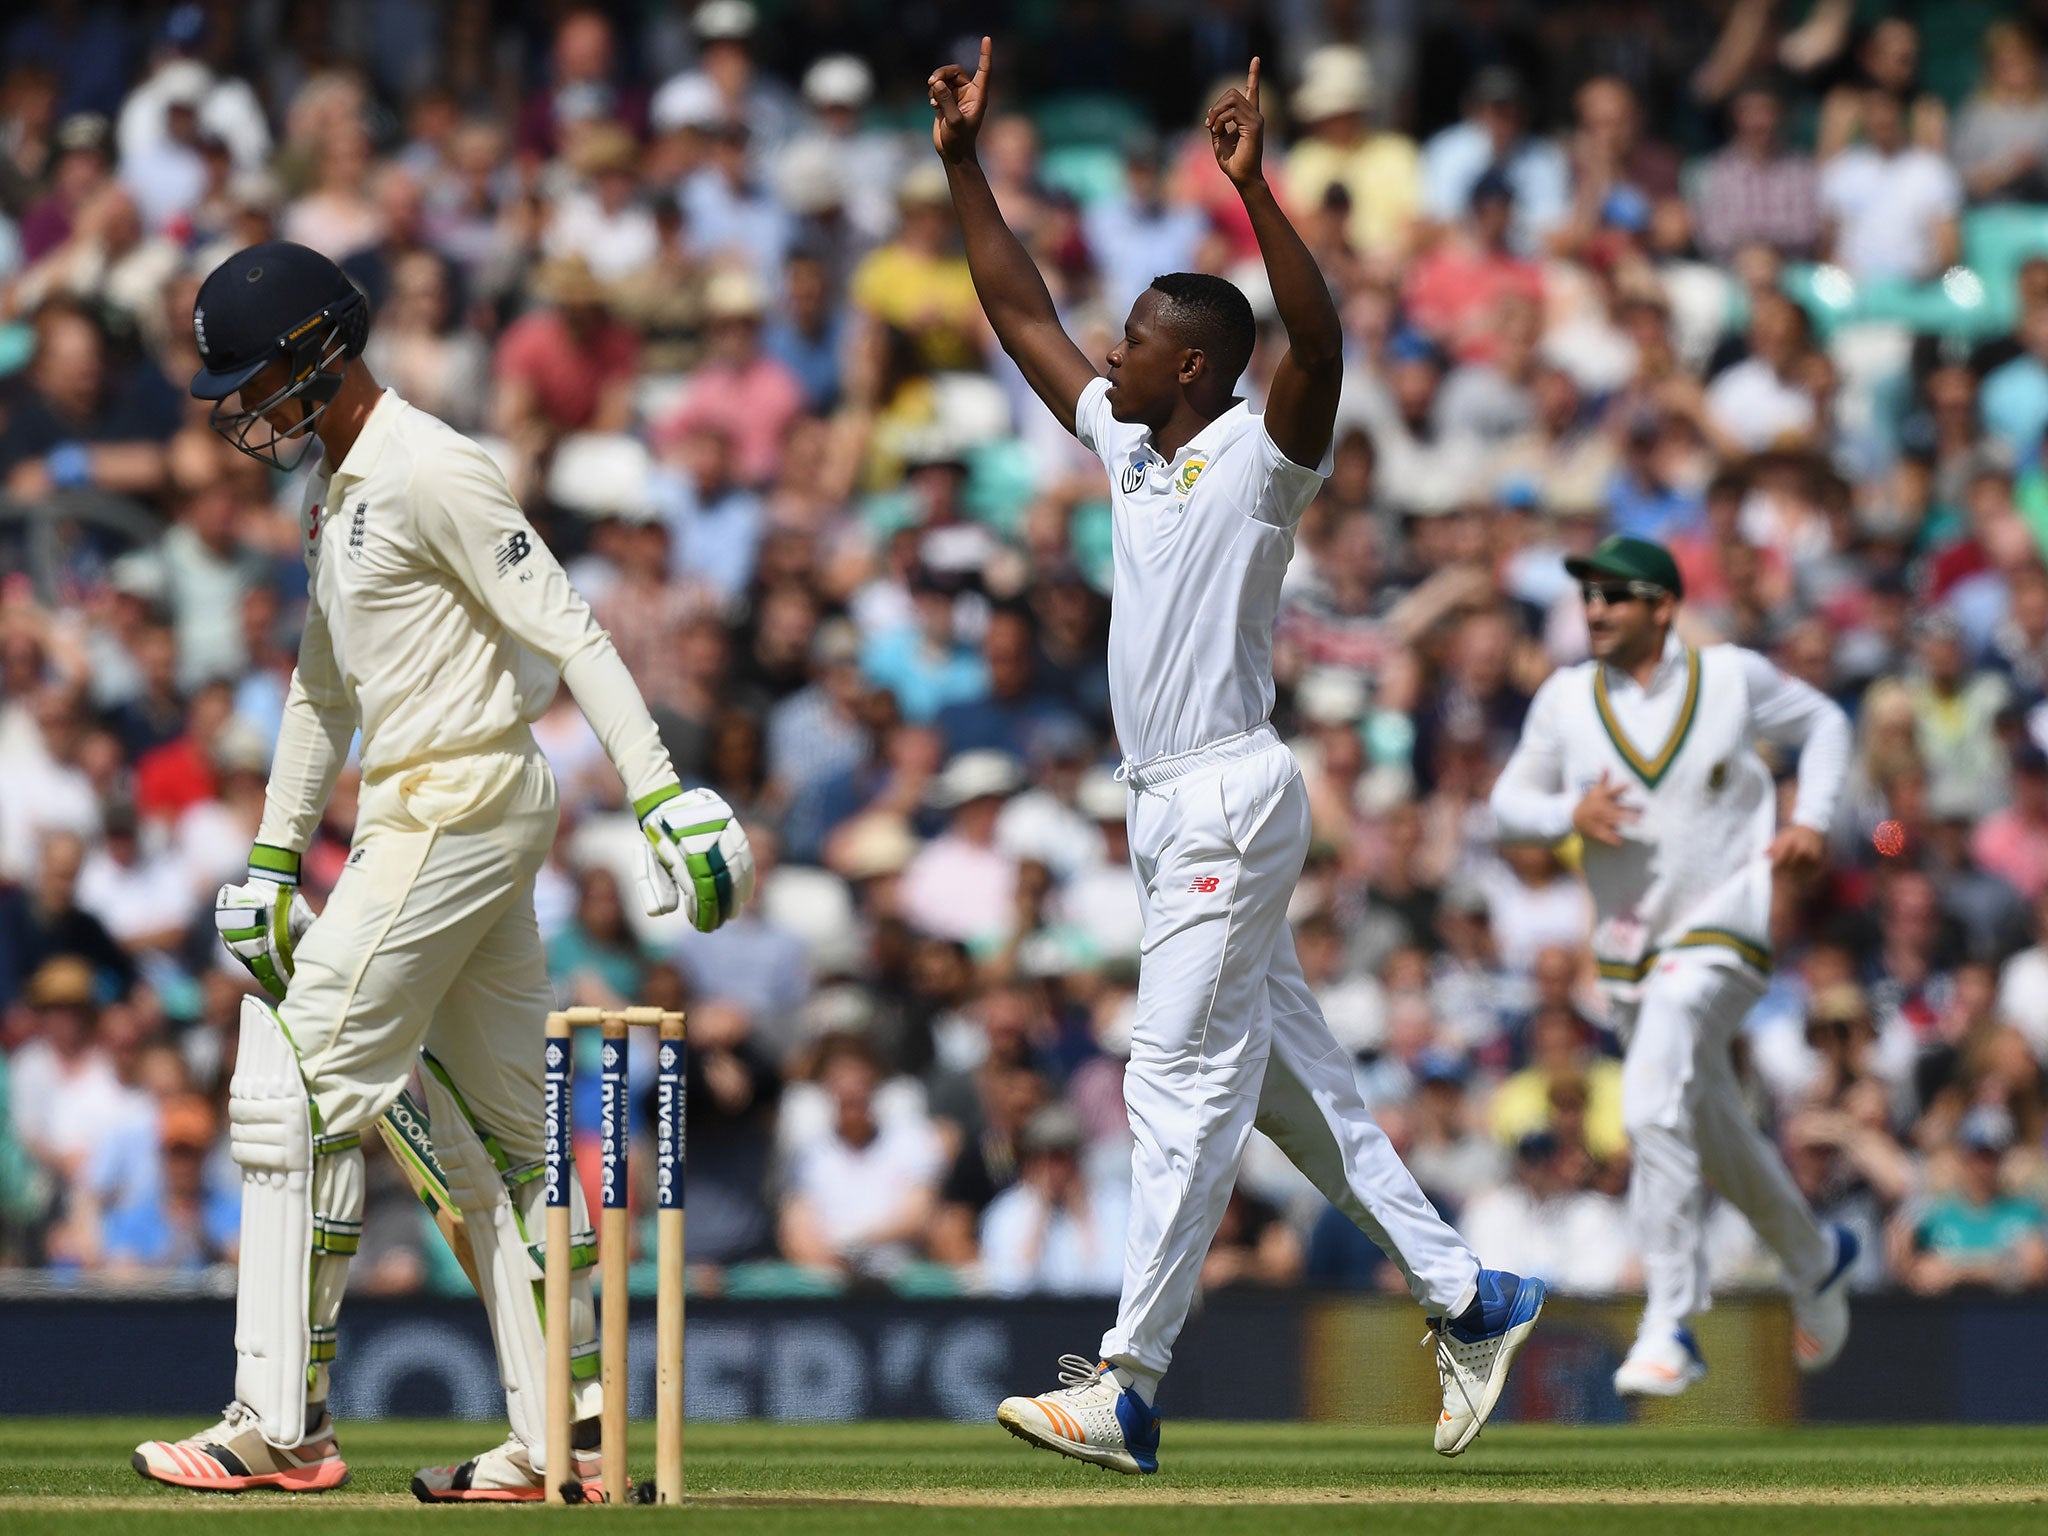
[1799,714]
[312,744]
[1530,802]
[471,522]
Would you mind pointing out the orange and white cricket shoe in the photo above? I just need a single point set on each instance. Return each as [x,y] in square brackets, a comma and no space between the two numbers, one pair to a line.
[1820,1318]
[1089,1417]
[1661,1364]
[233,1457]
[504,1475]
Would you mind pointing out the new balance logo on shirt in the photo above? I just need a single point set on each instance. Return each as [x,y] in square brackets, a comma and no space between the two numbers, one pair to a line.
[517,547]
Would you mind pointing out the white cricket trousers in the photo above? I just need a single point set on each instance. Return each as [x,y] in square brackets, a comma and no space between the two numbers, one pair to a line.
[1688,1127]
[1227,1035]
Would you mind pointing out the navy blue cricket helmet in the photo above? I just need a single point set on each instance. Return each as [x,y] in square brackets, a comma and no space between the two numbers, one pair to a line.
[275,303]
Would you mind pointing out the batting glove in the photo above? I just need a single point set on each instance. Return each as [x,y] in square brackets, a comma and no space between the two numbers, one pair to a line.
[697,854]
[262,920]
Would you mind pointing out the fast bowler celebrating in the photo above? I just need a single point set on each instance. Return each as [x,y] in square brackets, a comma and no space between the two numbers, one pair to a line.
[1206,495]
[437,625]
[1647,751]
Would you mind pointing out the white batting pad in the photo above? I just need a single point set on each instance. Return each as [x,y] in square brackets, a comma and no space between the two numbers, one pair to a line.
[270,1132]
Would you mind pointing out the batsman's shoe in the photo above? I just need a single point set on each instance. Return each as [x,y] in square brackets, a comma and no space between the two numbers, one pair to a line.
[1820,1318]
[504,1475]
[233,1457]
[1089,1418]
[1661,1364]
[1474,1351]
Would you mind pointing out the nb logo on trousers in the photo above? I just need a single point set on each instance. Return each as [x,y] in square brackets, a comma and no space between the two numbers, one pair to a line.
[1205,885]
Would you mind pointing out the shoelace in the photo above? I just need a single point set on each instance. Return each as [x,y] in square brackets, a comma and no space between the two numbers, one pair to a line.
[1078,1370]
[236,1414]
[1447,1368]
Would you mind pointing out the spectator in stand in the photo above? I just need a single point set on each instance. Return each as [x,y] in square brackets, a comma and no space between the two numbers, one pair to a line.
[1055,1231]
[567,367]
[1977,1235]
[583,87]
[603,221]
[2000,145]
[41,921]
[2012,843]
[714,522]
[418,349]
[1013,708]
[746,394]
[1381,172]
[183,1224]
[1757,191]
[1454,291]
[84,421]
[80,167]
[1494,140]
[1551,1225]
[1561,1049]
[733,1090]
[961,885]
[990,1158]
[860,1198]
[64,1090]
[918,283]
[1890,205]
[1765,400]
[146,901]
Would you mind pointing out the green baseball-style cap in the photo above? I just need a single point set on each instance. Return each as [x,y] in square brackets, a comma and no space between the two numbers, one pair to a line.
[1627,559]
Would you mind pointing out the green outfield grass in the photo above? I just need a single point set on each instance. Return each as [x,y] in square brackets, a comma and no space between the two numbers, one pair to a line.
[71,1477]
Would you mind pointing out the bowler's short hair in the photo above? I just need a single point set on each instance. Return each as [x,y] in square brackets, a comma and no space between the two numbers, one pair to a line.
[1210,314]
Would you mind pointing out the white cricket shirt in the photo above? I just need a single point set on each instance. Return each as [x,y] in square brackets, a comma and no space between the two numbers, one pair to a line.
[438,621]
[1201,545]
[1691,871]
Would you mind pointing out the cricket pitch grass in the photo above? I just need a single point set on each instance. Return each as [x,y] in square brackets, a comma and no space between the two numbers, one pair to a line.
[70,1477]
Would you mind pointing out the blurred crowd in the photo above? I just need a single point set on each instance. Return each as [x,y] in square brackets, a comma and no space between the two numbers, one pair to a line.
[1772,288]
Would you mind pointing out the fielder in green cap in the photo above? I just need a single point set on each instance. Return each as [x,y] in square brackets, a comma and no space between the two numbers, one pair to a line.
[1648,752]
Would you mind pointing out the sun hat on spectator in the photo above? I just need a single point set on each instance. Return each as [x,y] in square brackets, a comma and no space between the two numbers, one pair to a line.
[688,101]
[139,574]
[1628,559]
[734,293]
[873,846]
[1331,696]
[1100,797]
[62,981]
[568,281]
[187,1121]
[723,21]
[606,149]
[1335,82]
[809,178]
[1052,1130]
[183,83]
[839,80]
[601,475]
[1986,1128]
[924,186]
[240,748]
[978,775]
[87,131]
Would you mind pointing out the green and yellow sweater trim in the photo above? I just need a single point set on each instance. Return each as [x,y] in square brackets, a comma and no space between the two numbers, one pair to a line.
[1651,770]
[1749,951]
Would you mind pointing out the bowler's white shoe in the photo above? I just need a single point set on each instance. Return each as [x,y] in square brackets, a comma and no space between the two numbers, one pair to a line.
[504,1475]
[1089,1418]
[1820,1318]
[1661,1364]
[1473,1354]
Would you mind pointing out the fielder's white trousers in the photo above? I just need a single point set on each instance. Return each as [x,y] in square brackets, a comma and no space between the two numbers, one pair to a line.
[1689,1127]
[1227,1036]
[430,939]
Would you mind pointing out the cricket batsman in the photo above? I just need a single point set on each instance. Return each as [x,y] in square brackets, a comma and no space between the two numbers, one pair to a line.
[1648,752]
[1206,495]
[437,625]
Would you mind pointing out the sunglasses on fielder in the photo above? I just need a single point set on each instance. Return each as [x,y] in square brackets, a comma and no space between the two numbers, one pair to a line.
[1613,593]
